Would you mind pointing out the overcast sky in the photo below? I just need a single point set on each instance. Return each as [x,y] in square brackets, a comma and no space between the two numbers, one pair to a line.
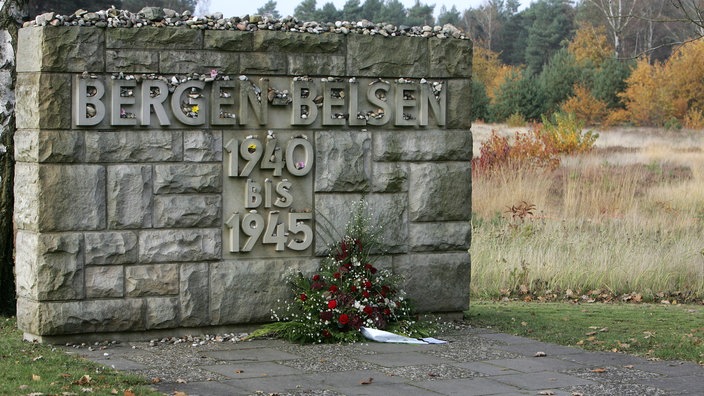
[239,8]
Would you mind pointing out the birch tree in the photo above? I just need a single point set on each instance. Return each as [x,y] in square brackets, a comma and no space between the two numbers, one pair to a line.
[619,14]
[11,13]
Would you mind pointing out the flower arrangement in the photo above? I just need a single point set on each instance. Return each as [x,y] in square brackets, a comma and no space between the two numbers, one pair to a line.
[346,293]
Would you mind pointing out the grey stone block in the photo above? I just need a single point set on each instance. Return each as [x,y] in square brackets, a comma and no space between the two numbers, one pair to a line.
[61,49]
[231,41]
[388,217]
[263,63]
[153,38]
[134,146]
[435,282]
[72,197]
[342,161]
[459,101]
[180,62]
[181,211]
[76,317]
[29,49]
[440,192]
[43,101]
[320,44]
[389,177]
[450,58]
[373,56]
[193,294]
[310,64]
[180,245]
[132,61]
[129,200]
[105,281]
[162,313]
[151,280]
[48,146]
[259,285]
[431,145]
[202,146]
[188,178]
[442,236]
[110,248]
[49,266]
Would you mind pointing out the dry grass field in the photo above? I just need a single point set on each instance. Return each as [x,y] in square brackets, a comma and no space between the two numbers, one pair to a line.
[624,222]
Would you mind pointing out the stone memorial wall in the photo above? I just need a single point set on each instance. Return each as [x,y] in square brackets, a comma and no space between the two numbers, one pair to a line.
[169,178]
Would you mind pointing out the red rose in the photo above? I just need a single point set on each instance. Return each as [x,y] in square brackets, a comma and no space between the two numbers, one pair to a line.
[325,316]
[353,288]
[336,275]
[368,310]
[333,289]
[316,286]
[303,297]
[367,284]
[316,277]
[387,311]
[365,294]
[326,333]
[332,304]
[344,319]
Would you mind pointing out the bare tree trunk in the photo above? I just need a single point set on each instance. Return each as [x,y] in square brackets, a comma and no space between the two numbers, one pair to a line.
[619,14]
[11,12]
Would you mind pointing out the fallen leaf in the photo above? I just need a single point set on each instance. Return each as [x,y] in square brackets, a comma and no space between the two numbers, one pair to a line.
[432,375]
[23,387]
[540,354]
[87,390]
[85,380]
[69,394]
[128,392]
[367,381]
[156,380]
[178,393]
[114,391]
[65,375]
[239,371]
[37,358]
[181,381]
[577,394]
[36,377]
[546,392]
[628,366]
[599,370]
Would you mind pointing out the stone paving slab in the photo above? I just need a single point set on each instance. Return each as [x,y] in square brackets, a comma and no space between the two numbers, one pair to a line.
[474,362]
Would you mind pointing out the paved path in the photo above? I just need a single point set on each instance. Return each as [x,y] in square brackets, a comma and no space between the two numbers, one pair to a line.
[475,362]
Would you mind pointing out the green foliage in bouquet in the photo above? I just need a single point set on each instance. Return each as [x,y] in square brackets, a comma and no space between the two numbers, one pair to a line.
[346,293]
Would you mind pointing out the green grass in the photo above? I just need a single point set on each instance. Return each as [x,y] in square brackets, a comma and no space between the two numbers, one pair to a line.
[668,332]
[27,368]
